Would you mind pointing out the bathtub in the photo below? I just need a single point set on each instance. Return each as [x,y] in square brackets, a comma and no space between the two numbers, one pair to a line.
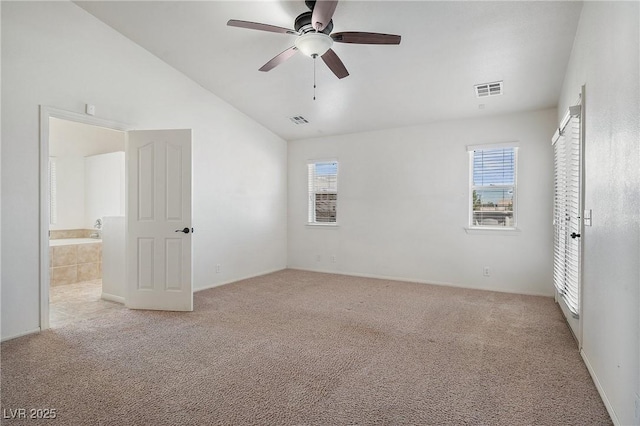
[74,260]
[70,241]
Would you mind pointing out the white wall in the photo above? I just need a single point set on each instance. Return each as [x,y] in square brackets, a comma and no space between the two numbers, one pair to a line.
[88,188]
[56,54]
[103,187]
[0,175]
[605,59]
[113,258]
[69,144]
[68,138]
[70,180]
[403,206]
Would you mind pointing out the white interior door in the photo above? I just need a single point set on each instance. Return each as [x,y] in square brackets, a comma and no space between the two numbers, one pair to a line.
[159,220]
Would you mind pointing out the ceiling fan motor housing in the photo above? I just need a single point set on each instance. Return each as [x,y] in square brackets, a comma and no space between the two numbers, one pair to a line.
[303,25]
[313,42]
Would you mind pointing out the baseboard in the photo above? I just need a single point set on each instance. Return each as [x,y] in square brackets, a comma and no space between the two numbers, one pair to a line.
[237,279]
[119,299]
[603,395]
[25,333]
[112,298]
[420,281]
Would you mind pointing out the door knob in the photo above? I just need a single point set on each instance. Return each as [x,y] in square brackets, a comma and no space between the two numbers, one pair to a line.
[185,230]
[574,235]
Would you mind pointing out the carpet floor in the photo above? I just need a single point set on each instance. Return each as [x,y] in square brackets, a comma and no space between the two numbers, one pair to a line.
[303,348]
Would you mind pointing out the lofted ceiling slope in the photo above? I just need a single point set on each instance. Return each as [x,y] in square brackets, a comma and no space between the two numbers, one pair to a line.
[447,48]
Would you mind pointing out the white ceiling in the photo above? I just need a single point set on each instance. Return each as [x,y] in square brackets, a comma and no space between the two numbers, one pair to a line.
[446,48]
[73,139]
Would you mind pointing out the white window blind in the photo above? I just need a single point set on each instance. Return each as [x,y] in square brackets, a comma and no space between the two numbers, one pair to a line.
[493,173]
[567,224]
[323,191]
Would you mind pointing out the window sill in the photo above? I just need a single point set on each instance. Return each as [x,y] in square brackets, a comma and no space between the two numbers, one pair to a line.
[492,231]
[322,225]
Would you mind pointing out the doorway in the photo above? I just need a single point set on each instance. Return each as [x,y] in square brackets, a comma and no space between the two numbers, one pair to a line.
[86,192]
[568,221]
[154,269]
[82,187]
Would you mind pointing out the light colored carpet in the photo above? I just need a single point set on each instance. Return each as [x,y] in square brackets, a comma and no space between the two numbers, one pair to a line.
[297,347]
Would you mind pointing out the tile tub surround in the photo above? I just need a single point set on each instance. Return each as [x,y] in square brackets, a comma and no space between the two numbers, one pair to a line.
[74,263]
[71,233]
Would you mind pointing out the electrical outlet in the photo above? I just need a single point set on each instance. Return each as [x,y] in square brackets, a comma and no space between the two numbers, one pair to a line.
[318,258]
[333,258]
[218,268]
[486,271]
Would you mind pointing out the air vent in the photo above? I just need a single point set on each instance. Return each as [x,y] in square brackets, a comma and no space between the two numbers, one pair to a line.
[299,120]
[488,89]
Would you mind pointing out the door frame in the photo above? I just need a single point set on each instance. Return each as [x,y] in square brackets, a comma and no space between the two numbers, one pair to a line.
[575,322]
[47,112]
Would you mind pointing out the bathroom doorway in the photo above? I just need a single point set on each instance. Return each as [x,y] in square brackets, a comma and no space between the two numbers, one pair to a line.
[85,200]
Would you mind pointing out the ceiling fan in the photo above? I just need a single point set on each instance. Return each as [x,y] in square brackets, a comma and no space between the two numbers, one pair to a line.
[314,38]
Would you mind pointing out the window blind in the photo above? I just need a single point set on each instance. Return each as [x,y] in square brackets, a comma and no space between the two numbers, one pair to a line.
[323,192]
[494,166]
[567,209]
[493,187]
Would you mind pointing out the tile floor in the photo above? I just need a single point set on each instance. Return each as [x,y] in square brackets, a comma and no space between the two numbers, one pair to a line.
[76,302]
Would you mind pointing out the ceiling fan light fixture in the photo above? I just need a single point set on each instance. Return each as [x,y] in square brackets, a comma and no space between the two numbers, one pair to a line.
[312,44]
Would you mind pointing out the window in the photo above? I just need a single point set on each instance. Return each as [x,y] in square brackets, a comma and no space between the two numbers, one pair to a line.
[493,186]
[323,191]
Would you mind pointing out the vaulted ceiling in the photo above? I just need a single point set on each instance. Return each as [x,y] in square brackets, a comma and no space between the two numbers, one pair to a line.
[447,48]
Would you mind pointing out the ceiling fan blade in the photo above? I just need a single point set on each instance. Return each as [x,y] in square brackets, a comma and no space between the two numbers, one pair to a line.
[259,26]
[365,38]
[335,64]
[278,59]
[322,13]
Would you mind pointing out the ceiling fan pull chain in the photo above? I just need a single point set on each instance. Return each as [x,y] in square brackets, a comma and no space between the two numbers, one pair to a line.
[314,76]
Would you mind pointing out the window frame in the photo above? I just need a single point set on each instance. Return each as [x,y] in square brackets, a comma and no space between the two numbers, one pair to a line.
[311,199]
[471,226]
